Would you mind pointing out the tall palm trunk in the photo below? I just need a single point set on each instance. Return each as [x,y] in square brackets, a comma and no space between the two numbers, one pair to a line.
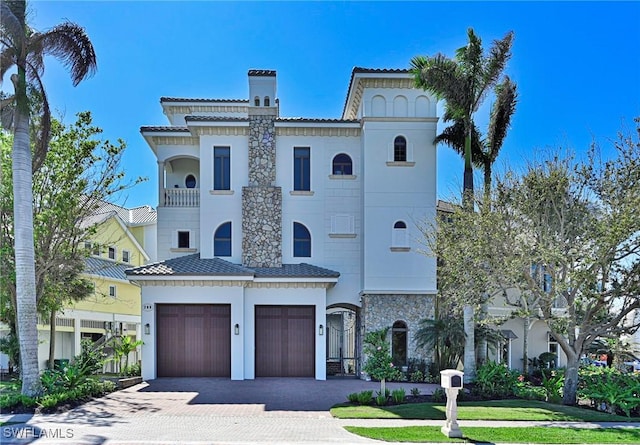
[26,315]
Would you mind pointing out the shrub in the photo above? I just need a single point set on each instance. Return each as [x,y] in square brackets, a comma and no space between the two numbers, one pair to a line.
[132,370]
[495,380]
[381,400]
[364,397]
[353,397]
[439,395]
[398,395]
[416,376]
[90,360]
[610,390]
[415,392]
[553,385]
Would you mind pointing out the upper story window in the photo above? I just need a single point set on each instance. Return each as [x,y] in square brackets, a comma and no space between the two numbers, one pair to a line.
[112,253]
[222,240]
[342,165]
[302,168]
[112,291]
[183,239]
[256,101]
[301,241]
[400,149]
[190,181]
[399,238]
[267,102]
[126,256]
[222,168]
[96,249]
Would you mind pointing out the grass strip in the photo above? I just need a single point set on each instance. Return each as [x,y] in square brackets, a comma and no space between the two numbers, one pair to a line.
[542,435]
[513,409]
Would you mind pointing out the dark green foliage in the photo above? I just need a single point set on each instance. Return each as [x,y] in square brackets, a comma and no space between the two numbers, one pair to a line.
[364,397]
[398,395]
[353,397]
[439,395]
[610,390]
[415,392]
[494,380]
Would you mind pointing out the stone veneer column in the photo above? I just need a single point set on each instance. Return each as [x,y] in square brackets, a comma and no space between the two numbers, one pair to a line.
[381,311]
[261,199]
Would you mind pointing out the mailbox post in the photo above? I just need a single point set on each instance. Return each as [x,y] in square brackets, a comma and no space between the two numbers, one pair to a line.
[451,381]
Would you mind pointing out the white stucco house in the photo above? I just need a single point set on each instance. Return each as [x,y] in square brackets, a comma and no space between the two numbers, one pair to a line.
[281,241]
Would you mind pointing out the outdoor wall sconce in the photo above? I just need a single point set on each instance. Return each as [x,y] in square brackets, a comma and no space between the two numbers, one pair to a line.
[321,330]
[147,329]
[236,329]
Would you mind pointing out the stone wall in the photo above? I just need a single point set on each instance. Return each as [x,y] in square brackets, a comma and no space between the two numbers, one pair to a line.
[261,200]
[262,150]
[381,311]
[262,226]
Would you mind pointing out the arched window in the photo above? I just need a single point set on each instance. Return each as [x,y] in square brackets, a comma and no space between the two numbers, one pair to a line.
[256,101]
[301,241]
[190,181]
[400,149]
[399,344]
[342,165]
[399,238]
[267,102]
[222,240]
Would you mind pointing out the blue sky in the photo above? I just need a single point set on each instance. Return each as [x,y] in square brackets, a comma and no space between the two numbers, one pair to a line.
[577,65]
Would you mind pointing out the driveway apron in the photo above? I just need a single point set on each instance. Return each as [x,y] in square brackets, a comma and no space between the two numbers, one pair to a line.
[203,410]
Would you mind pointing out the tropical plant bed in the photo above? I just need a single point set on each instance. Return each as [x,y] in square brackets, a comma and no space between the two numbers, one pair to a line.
[512,409]
[542,435]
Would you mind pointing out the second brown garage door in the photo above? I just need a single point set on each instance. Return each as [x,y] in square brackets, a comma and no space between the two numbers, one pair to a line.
[193,340]
[285,341]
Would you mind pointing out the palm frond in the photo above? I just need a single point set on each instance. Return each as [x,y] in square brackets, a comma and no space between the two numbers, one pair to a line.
[41,143]
[7,111]
[500,118]
[70,44]
[438,75]
[499,55]
[454,136]
[7,60]
[12,14]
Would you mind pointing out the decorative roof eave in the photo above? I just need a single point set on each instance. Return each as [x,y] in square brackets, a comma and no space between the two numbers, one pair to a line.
[399,292]
[171,278]
[154,281]
[385,78]
[200,101]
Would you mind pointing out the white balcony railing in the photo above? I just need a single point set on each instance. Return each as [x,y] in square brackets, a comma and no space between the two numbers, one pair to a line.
[182,198]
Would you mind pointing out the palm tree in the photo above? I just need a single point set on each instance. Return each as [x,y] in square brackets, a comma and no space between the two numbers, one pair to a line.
[24,49]
[464,83]
[484,152]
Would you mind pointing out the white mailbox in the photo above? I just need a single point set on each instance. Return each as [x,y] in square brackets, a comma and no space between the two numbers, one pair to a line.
[451,378]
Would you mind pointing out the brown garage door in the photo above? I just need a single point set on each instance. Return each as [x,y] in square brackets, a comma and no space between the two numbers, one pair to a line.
[193,340]
[285,341]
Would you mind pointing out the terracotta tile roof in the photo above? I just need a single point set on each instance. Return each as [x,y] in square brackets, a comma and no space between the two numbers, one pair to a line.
[199,99]
[105,268]
[191,265]
[164,128]
[265,73]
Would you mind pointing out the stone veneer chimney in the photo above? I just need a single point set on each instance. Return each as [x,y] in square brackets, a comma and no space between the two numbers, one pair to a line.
[261,199]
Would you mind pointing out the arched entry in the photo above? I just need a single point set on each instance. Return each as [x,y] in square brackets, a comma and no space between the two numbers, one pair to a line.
[341,342]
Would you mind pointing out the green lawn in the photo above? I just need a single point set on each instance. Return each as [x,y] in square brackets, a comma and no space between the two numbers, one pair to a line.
[485,410]
[544,435]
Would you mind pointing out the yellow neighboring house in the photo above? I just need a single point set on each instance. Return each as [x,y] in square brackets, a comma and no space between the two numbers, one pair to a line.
[124,238]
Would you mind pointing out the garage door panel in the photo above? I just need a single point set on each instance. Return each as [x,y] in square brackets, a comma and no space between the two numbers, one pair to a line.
[285,341]
[193,340]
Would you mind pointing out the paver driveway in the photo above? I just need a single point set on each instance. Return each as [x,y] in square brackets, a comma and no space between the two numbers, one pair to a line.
[206,410]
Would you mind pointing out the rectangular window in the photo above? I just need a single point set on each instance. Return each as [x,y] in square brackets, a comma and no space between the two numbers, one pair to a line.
[112,253]
[87,245]
[221,168]
[126,256]
[96,249]
[183,239]
[112,291]
[302,168]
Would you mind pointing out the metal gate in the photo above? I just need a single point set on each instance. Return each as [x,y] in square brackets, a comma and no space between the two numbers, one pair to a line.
[341,343]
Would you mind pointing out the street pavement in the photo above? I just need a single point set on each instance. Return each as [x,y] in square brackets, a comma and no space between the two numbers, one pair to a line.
[192,411]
